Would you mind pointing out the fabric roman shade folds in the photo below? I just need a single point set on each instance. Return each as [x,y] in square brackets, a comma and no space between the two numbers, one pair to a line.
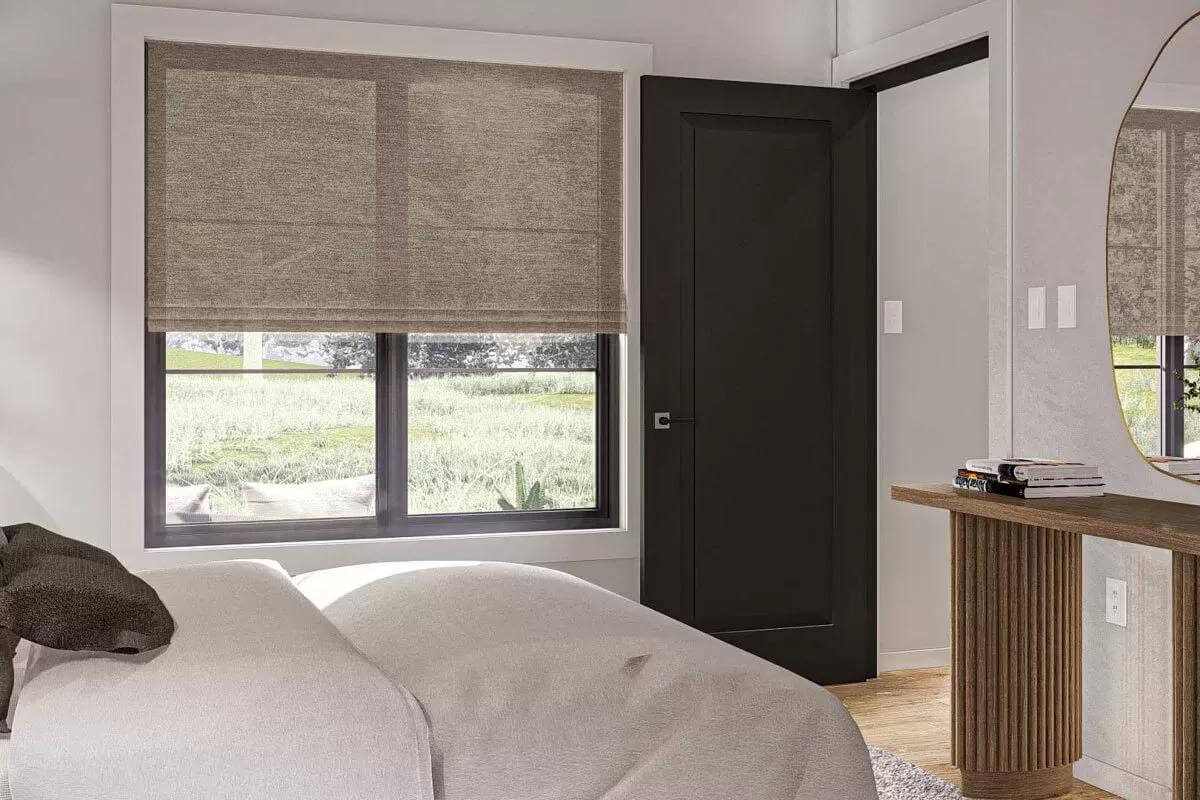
[310,191]
[1154,226]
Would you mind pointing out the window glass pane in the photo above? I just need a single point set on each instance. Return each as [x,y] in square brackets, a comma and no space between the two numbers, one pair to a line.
[501,437]
[1135,350]
[270,446]
[219,350]
[1138,391]
[1191,417]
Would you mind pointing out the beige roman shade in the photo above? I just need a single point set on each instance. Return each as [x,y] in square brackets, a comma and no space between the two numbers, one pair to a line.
[293,190]
[1154,226]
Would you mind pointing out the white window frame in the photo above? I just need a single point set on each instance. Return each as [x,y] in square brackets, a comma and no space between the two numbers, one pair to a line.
[132,26]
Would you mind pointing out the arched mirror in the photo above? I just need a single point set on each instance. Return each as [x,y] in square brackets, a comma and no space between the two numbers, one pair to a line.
[1154,259]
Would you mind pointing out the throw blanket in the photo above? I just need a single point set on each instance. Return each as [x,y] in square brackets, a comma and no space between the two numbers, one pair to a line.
[540,686]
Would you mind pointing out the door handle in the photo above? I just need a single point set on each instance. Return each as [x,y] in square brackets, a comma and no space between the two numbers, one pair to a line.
[663,420]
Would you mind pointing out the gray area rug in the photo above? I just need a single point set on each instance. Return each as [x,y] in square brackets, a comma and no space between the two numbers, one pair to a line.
[896,779]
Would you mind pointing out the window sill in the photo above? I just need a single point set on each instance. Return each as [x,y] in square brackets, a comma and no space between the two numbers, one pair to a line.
[529,547]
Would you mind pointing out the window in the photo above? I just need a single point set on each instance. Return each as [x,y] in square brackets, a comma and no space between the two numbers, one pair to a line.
[288,436]
[436,250]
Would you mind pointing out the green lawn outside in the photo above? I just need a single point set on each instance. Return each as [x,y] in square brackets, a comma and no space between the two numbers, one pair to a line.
[466,434]
[178,358]
[1137,390]
[1131,351]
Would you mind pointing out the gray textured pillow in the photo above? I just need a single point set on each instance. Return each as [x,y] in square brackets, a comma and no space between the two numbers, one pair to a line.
[188,499]
[69,595]
[342,497]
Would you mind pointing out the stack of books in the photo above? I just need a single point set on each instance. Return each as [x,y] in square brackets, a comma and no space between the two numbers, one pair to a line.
[1188,468]
[1030,478]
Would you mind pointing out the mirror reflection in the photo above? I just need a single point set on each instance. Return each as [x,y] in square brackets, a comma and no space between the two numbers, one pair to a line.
[1154,260]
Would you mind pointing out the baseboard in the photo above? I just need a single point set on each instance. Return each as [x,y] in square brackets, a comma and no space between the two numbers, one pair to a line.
[1112,779]
[914,659]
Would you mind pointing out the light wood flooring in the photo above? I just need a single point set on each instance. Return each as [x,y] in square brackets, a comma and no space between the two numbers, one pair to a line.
[908,713]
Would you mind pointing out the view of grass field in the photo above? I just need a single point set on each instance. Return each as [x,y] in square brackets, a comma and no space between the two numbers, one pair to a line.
[466,432]
[178,358]
[1138,390]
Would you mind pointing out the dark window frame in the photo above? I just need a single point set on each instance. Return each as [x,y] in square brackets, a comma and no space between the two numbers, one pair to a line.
[391,520]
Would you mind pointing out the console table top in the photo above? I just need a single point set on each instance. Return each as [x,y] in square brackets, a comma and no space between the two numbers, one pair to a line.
[1141,520]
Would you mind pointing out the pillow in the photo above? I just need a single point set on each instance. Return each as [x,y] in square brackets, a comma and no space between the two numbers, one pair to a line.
[343,497]
[69,595]
[188,499]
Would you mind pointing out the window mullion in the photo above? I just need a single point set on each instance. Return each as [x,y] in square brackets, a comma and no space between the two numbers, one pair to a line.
[1172,396]
[391,416]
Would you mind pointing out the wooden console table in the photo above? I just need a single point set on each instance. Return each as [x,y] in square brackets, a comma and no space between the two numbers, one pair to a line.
[1016,610]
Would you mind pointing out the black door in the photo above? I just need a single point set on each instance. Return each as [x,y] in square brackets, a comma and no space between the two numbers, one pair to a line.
[758,337]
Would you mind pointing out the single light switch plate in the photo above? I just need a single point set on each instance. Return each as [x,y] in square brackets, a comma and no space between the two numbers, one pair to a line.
[1066,306]
[893,316]
[1115,595]
[1037,307]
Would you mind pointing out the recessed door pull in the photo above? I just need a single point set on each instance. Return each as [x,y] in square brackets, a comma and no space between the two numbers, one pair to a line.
[663,420]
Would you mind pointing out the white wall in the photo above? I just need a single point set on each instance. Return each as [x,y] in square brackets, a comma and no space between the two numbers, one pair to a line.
[862,22]
[54,206]
[933,377]
[1078,64]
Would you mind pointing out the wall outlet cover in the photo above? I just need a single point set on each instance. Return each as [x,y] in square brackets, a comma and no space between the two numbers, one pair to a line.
[1115,597]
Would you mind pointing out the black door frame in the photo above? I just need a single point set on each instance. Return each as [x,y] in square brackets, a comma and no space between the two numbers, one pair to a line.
[924,67]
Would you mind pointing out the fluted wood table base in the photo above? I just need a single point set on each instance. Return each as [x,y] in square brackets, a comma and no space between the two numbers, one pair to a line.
[1186,602]
[1017,657]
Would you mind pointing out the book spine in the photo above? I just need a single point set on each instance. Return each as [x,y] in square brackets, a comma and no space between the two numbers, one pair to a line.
[989,485]
[963,472]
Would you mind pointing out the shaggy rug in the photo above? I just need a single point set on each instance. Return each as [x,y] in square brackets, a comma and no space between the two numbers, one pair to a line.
[896,779]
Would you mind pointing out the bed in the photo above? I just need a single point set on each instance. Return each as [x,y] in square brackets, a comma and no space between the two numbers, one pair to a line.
[429,681]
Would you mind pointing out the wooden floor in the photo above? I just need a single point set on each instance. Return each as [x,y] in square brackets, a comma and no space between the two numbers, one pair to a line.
[908,713]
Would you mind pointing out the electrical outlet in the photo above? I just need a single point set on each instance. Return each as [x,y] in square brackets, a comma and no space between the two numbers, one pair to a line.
[1115,596]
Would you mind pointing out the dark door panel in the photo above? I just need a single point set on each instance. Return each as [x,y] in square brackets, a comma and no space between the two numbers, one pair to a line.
[758,285]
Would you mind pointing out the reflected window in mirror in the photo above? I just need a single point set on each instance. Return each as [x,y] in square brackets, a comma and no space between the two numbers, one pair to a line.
[1154,278]
[1158,383]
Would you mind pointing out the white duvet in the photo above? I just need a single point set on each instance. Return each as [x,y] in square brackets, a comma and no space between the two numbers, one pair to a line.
[257,697]
[540,686]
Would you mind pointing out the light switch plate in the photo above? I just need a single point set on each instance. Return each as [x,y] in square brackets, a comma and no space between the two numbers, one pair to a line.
[1115,597]
[1037,307]
[893,316]
[1066,306]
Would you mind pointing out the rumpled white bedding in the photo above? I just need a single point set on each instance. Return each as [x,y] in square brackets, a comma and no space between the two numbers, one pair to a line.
[258,697]
[540,686]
